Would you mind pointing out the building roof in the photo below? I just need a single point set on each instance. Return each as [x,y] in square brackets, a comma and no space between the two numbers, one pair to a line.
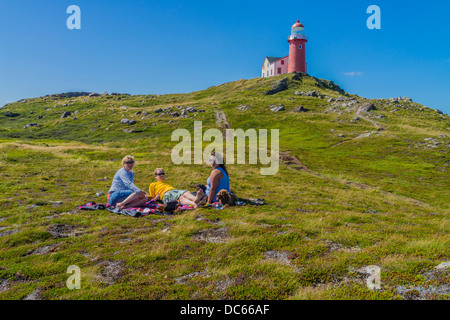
[272,59]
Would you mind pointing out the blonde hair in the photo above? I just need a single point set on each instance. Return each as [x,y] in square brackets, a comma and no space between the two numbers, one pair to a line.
[127,158]
[158,170]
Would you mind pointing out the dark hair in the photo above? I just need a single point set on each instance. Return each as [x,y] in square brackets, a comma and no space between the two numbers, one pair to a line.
[222,165]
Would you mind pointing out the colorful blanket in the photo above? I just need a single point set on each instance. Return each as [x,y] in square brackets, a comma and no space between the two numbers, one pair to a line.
[149,208]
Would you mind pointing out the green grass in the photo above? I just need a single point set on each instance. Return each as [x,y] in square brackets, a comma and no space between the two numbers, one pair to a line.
[379,200]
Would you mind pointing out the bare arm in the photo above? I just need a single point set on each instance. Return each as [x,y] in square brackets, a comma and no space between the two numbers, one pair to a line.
[216,175]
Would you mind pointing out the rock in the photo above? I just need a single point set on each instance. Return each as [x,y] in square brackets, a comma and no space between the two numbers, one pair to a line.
[443,265]
[32,124]
[145,113]
[75,118]
[341,136]
[439,111]
[278,86]
[65,114]
[128,130]
[243,107]
[171,121]
[39,117]
[158,110]
[35,295]
[297,76]
[190,109]
[93,94]
[300,109]
[201,110]
[127,121]
[123,107]
[175,114]
[277,108]
[99,194]
[10,114]
[356,119]
[330,100]
[368,107]
[138,113]
[313,93]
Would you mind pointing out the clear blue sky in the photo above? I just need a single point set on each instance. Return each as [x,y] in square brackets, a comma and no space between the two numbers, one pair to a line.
[149,47]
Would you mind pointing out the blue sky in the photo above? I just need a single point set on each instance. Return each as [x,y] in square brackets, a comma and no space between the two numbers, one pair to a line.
[157,47]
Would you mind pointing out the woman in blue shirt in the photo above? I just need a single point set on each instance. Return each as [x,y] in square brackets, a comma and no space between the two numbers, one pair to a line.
[218,179]
[123,192]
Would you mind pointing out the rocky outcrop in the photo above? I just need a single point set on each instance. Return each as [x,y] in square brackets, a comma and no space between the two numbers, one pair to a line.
[278,86]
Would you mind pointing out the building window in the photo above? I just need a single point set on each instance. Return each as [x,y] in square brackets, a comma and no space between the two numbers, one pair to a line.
[271,72]
[279,70]
[300,47]
[267,72]
[282,61]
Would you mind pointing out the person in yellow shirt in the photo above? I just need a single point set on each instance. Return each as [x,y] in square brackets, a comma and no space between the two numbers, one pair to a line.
[160,190]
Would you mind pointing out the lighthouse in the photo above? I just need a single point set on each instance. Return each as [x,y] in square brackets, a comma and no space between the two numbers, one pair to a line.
[297,42]
[295,61]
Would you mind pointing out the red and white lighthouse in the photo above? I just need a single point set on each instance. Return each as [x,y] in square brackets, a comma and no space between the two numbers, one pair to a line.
[297,55]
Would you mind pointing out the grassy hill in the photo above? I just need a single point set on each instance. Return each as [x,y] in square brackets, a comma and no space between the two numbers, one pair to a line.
[361,182]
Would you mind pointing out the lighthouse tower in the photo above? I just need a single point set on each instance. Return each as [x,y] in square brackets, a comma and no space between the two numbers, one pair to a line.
[297,41]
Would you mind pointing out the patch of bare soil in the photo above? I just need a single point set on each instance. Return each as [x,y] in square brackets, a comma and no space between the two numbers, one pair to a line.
[213,235]
[35,295]
[8,232]
[185,278]
[43,250]
[63,231]
[111,271]
[293,162]
[283,257]
[334,246]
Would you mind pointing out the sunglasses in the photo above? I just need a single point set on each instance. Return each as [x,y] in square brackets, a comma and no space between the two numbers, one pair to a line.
[129,162]
[159,174]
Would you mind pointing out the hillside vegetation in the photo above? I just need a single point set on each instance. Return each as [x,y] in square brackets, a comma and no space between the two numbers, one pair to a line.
[361,182]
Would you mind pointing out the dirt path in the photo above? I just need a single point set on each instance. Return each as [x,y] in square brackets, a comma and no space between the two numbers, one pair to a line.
[358,114]
[222,122]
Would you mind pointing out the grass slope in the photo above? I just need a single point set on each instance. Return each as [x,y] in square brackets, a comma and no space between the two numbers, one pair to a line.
[370,197]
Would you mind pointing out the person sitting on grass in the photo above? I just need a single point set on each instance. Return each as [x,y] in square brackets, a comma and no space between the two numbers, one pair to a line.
[160,190]
[218,180]
[123,192]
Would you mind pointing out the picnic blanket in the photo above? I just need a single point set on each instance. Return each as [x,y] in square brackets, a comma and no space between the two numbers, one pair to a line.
[149,208]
